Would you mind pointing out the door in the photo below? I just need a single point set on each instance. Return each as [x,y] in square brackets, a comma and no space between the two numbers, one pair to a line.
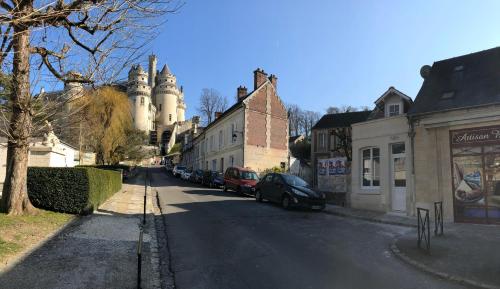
[265,184]
[398,177]
[277,187]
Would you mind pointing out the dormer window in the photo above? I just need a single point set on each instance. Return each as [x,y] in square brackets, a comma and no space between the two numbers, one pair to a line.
[393,110]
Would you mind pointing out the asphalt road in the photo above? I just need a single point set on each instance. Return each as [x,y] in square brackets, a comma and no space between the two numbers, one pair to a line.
[220,240]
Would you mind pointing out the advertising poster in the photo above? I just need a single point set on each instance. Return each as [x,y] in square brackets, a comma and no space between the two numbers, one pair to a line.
[332,174]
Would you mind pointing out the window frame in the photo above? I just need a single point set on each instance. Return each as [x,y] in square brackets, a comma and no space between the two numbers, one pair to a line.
[372,173]
[390,105]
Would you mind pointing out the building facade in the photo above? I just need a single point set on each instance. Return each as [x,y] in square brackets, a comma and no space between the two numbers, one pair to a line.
[455,121]
[326,143]
[252,133]
[157,102]
[381,169]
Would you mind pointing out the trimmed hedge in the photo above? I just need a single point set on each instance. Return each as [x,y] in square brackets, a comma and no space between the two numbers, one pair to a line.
[71,190]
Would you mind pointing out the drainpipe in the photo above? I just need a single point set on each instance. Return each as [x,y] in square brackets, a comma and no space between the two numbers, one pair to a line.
[411,134]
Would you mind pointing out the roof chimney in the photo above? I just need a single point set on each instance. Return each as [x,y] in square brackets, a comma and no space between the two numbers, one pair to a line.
[274,81]
[242,92]
[259,77]
[217,114]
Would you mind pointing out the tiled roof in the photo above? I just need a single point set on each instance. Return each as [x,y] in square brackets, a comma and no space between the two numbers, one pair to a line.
[341,119]
[460,82]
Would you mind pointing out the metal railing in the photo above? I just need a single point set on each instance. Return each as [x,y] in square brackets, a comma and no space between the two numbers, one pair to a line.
[423,227]
[139,258]
[141,231]
[438,218]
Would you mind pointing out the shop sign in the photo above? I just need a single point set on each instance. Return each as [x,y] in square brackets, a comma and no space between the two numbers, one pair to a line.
[476,136]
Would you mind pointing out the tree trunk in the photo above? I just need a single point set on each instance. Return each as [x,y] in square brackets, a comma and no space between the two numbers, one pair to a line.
[15,199]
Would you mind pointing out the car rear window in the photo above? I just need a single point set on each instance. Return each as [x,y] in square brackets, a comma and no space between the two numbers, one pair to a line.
[248,175]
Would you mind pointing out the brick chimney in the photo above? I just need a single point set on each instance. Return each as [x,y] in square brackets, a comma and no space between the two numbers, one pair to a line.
[242,92]
[274,81]
[217,114]
[259,77]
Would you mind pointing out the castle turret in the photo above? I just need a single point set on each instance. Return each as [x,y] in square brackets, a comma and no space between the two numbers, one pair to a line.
[166,94]
[152,70]
[181,106]
[139,93]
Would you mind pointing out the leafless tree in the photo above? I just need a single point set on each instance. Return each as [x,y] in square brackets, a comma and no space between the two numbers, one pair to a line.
[342,109]
[211,101]
[310,118]
[47,39]
[295,118]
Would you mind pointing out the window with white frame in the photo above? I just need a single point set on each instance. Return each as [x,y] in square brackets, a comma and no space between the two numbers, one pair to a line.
[233,139]
[214,165]
[371,167]
[322,140]
[220,139]
[393,110]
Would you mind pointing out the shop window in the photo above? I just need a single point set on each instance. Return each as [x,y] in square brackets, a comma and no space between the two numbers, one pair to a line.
[371,167]
[476,174]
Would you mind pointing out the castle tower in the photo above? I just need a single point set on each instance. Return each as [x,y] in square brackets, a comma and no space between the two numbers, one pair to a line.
[139,94]
[152,72]
[181,106]
[166,94]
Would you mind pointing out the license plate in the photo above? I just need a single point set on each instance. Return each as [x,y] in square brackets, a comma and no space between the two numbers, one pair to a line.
[316,207]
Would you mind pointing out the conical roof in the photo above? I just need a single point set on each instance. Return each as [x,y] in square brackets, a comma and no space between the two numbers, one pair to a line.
[165,70]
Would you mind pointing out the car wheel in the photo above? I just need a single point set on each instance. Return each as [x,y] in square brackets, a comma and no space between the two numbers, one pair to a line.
[285,202]
[258,196]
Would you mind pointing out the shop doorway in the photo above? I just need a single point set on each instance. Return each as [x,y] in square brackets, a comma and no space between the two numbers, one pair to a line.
[398,177]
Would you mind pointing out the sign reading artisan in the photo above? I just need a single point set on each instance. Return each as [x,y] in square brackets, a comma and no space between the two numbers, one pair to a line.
[481,135]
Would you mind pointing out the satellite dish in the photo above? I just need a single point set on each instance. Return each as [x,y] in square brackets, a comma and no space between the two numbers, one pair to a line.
[425,71]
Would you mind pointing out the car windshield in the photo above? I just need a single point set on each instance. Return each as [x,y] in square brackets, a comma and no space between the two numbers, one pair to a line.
[245,175]
[295,181]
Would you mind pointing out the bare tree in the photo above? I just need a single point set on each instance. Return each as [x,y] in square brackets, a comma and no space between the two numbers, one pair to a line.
[48,39]
[295,118]
[310,118]
[211,101]
[342,109]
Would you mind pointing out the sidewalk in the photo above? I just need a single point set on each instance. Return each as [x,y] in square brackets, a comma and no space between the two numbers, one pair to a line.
[96,251]
[467,253]
[371,216]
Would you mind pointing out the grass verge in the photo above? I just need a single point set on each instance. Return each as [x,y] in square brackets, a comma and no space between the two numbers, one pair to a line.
[21,232]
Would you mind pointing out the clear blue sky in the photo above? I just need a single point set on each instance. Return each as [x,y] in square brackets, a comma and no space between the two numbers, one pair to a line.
[324,52]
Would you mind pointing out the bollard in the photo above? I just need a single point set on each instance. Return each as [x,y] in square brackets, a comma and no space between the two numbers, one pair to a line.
[438,218]
[139,259]
[423,228]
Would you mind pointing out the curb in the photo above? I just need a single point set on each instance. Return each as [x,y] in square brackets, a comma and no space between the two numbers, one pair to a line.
[402,256]
[155,256]
[373,220]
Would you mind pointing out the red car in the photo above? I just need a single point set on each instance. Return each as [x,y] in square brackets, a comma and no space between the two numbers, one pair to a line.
[241,180]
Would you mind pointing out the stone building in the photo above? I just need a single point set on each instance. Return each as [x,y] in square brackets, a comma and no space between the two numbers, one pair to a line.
[381,177]
[157,102]
[326,144]
[252,133]
[455,120]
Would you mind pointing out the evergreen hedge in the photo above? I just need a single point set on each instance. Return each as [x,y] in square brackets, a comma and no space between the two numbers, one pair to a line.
[76,190]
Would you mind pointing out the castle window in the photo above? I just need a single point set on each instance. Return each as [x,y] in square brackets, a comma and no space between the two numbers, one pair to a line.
[142,100]
[159,108]
[170,117]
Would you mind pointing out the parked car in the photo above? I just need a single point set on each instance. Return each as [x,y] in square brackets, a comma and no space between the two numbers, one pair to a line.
[186,174]
[216,180]
[241,180]
[196,176]
[178,170]
[289,191]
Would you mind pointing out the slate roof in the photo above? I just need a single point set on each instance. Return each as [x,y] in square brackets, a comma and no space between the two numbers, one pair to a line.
[460,82]
[341,119]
